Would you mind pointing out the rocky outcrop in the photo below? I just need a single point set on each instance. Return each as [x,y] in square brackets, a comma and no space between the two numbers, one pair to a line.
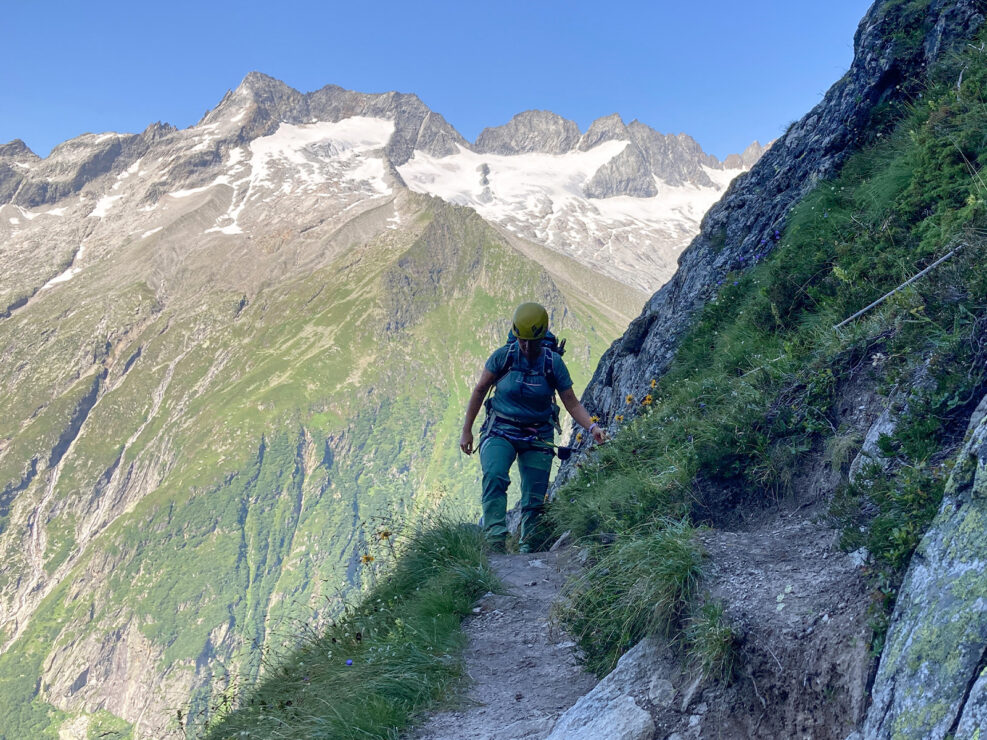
[931,682]
[675,159]
[626,174]
[613,708]
[886,70]
[608,128]
[531,131]
[747,158]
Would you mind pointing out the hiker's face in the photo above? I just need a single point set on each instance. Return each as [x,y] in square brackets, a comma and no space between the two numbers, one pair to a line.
[529,347]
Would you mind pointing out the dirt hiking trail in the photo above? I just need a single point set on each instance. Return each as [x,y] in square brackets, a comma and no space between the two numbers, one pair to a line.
[522,670]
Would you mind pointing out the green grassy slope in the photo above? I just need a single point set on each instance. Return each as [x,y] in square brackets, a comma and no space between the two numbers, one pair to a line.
[203,481]
[754,389]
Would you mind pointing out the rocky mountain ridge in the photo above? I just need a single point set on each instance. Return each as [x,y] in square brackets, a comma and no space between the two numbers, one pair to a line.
[629,211]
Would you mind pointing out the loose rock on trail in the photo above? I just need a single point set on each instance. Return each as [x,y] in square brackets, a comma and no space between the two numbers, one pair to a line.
[522,669]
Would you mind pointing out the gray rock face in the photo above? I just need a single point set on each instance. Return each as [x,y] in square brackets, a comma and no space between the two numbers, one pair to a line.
[610,709]
[675,159]
[531,131]
[747,158]
[626,174]
[885,424]
[608,128]
[973,722]
[70,166]
[929,680]
[16,149]
[757,202]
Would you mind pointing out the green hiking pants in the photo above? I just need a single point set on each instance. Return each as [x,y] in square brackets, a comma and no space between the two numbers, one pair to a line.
[535,465]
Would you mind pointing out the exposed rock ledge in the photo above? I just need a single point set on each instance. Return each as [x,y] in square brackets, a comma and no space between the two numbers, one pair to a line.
[931,681]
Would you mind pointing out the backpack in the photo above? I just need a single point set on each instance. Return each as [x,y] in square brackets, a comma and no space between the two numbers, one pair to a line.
[550,343]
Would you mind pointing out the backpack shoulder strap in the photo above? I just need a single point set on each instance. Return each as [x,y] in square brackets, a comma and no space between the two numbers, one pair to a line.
[508,364]
[550,367]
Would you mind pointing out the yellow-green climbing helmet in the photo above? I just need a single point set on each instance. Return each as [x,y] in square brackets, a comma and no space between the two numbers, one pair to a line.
[530,321]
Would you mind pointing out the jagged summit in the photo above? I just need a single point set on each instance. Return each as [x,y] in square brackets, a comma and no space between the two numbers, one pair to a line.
[261,103]
[529,132]
[607,128]
[748,158]
[16,149]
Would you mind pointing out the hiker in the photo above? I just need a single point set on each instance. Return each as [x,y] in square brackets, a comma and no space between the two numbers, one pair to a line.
[521,420]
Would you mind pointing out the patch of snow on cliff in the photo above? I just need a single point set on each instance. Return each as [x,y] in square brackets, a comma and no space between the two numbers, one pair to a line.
[152,231]
[104,205]
[541,197]
[313,154]
[69,273]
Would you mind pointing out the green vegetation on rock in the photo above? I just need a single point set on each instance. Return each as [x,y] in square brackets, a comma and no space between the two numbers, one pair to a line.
[753,390]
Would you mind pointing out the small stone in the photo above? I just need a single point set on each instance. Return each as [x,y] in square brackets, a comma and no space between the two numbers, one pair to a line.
[661,692]
[562,541]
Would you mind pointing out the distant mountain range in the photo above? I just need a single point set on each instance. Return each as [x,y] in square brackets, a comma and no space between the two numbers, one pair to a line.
[225,349]
[623,199]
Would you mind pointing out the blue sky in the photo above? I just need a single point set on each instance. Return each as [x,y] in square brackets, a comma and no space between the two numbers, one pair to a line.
[724,72]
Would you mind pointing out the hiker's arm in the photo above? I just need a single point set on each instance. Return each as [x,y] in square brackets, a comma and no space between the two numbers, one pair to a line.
[579,413]
[473,408]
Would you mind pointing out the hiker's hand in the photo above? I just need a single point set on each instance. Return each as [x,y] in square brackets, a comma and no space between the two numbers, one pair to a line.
[466,442]
[599,435]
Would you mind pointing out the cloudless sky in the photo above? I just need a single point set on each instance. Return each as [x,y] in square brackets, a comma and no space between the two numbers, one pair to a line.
[722,71]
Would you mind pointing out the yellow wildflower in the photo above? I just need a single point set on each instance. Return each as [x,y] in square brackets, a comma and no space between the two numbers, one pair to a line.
[654,383]
[366,559]
[384,534]
[619,417]
[594,418]
[579,436]
[646,401]
[630,398]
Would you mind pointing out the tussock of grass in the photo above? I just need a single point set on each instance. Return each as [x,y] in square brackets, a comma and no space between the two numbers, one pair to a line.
[711,642]
[640,586]
[385,660]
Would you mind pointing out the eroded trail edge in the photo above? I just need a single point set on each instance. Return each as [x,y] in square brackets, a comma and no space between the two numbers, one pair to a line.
[522,669]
